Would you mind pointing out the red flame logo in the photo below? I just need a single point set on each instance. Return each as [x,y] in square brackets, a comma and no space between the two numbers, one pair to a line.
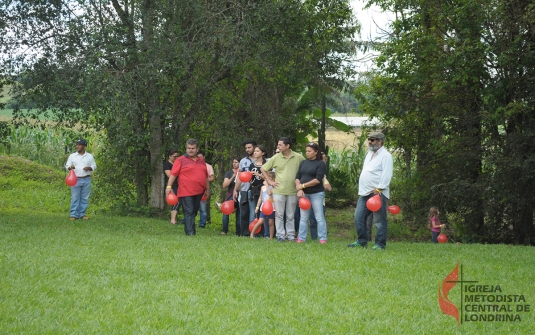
[444,302]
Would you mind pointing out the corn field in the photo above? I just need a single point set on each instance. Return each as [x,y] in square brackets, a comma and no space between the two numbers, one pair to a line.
[49,146]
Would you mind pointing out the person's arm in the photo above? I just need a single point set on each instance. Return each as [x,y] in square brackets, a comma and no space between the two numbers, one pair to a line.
[259,201]
[167,173]
[91,164]
[435,225]
[69,165]
[169,187]
[267,179]
[237,188]
[387,166]
[211,173]
[172,176]
[327,185]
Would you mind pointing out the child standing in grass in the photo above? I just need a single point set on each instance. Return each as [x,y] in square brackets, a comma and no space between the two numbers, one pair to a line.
[266,195]
[434,222]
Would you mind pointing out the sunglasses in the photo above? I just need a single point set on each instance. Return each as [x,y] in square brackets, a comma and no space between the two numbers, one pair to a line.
[372,140]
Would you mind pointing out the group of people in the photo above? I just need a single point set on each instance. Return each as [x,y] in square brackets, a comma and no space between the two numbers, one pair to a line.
[282,179]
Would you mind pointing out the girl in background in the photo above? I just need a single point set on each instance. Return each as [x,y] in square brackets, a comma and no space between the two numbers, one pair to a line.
[172,155]
[266,195]
[434,221]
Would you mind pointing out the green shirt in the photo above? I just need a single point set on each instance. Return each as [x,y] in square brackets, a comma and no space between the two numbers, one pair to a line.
[285,171]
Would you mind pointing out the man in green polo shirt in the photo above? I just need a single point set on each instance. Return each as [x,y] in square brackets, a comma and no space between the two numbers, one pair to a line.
[286,164]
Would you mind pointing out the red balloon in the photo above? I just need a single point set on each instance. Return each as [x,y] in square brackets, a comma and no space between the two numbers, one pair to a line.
[246,176]
[267,208]
[393,209]
[304,204]
[442,238]
[171,199]
[227,207]
[374,203]
[251,226]
[71,179]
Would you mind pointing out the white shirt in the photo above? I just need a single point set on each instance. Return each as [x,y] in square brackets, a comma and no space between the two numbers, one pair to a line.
[80,162]
[376,172]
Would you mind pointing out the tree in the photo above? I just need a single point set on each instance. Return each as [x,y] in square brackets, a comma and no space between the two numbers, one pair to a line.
[443,92]
[151,73]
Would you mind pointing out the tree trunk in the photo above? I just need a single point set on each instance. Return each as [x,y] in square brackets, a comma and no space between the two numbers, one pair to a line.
[155,147]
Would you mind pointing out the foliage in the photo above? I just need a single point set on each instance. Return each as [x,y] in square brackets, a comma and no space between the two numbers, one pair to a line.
[119,274]
[152,74]
[453,93]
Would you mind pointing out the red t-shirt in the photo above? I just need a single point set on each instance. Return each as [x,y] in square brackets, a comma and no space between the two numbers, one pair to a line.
[191,175]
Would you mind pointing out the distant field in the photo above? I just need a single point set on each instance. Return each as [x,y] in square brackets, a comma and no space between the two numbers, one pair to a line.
[6,114]
[335,139]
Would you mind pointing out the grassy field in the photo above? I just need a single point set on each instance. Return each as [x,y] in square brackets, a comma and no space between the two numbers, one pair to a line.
[125,275]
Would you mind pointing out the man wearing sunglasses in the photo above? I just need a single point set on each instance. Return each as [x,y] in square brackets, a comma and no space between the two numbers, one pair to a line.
[374,180]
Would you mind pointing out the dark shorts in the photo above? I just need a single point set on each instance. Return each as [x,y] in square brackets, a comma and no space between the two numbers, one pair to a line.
[270,216]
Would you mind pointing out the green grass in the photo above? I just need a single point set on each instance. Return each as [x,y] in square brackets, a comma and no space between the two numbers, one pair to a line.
[126,275]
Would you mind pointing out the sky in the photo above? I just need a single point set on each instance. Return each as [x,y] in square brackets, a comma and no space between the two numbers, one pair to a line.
[372,21]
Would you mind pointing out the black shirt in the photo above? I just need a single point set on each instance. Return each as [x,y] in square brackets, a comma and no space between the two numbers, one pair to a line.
[309,170]
[168,166]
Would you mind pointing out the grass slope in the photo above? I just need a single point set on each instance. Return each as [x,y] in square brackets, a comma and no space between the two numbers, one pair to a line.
[126,275]
[27,185]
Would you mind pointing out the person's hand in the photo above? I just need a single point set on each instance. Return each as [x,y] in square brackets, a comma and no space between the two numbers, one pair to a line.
[273,183]
[235,194]
[256,210]
[71,167]
[167,190]
[443,225]
[88,168]
[300,193]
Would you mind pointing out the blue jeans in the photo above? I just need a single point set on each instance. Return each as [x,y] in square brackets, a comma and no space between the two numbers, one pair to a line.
[379,218]
[202,215]
[252,206]
[314,223]
[434,236]
[226,218]
[316,201]
[80,197]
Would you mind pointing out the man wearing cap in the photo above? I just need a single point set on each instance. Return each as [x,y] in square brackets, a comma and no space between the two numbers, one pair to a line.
[374,179]
[83,164]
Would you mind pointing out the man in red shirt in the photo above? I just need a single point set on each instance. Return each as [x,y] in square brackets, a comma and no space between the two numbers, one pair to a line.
[192,183]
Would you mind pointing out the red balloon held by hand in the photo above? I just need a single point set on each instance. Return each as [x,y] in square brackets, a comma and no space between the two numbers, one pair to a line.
[171,199]
[393,209]
[304,204]
[71,179]
[267,208]
[227,207]
[374,203]
[246,176]
[442,238]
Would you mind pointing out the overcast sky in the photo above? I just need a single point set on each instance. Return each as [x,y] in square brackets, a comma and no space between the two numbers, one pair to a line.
[372,21]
